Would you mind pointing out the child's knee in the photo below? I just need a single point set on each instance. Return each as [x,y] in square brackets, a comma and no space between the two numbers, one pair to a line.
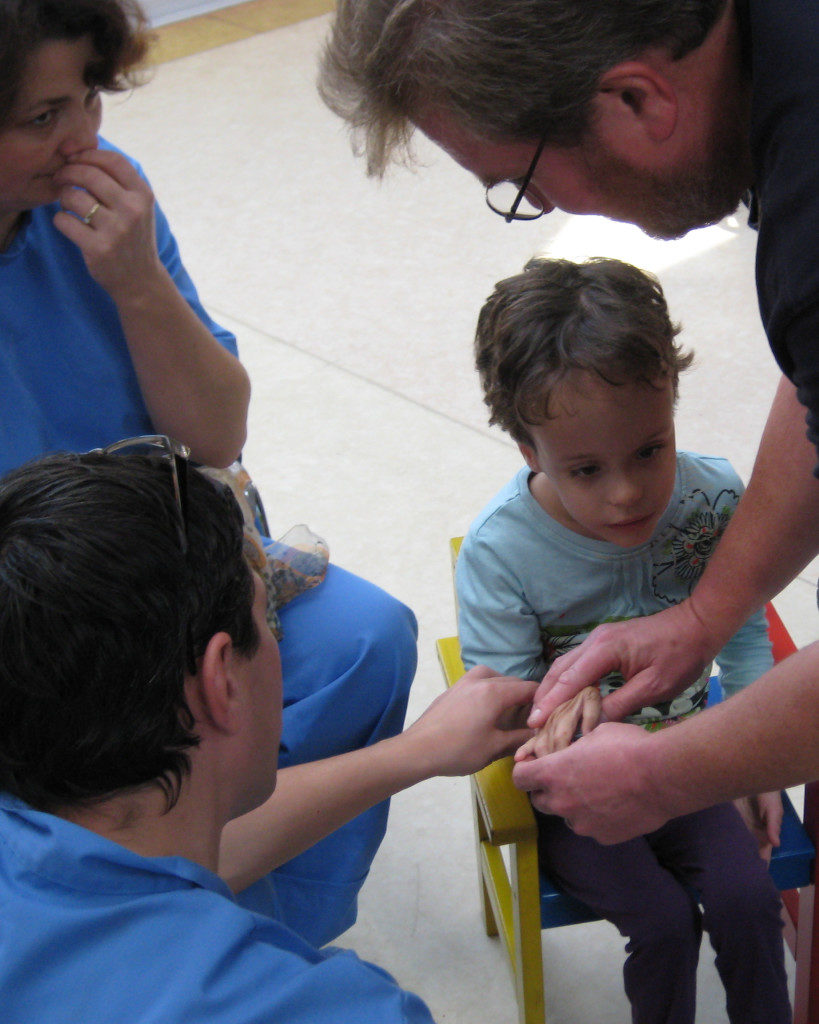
[743,904]
[673,923]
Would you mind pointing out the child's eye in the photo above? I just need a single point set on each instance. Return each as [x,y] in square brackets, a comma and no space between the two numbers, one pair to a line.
[649,451]
[584,472]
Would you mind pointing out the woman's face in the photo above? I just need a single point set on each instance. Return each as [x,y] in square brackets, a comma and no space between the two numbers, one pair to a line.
[56,114]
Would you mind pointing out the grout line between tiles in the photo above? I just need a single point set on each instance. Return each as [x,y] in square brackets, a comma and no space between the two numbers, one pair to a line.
[394,392]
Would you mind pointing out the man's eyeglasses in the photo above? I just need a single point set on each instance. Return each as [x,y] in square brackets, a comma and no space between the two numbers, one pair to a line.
[176,455]
[508,198]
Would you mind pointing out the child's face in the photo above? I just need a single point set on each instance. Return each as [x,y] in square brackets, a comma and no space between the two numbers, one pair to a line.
[605,464]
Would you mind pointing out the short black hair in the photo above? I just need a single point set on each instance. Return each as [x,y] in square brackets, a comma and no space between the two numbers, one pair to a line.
[101,613]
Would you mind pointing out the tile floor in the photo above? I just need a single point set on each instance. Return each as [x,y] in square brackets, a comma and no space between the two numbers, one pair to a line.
[217,25]
[354,303]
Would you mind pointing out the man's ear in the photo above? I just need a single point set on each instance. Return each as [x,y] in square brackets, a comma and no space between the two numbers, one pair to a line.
[213,688]
[636,103]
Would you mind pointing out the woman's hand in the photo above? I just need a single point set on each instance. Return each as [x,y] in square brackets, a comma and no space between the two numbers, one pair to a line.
[108,212]
[194,389]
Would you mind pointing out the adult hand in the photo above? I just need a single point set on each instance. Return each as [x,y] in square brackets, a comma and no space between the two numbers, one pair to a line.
[658,656]
[108,212]
[481,718]
[560,728]
[475,722]
[763,816]
[602,785]
[193,388]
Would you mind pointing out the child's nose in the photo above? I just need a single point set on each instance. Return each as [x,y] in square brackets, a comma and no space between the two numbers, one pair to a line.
[625,491]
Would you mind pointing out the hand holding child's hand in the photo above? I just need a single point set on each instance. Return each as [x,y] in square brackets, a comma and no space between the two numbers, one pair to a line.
[478,720]
[763,816]
[558,731]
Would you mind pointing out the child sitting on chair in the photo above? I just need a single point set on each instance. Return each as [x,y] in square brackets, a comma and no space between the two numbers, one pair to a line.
[608,521]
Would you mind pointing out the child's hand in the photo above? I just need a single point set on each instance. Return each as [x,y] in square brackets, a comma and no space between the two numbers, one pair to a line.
[763,816]
[583,710]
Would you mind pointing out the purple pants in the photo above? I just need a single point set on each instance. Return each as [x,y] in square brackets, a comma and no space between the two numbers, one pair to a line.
[649,888]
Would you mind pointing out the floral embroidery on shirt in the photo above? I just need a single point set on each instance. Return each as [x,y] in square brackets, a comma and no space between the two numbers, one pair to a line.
[691,545]
[557,641]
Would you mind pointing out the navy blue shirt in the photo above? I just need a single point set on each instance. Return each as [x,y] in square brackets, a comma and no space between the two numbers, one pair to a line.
[782,39]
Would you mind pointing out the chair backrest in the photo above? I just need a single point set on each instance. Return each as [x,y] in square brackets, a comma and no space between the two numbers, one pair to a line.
[781,642]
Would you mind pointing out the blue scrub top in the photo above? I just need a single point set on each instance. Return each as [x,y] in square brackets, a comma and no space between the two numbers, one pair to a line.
[67,382]
[93,932]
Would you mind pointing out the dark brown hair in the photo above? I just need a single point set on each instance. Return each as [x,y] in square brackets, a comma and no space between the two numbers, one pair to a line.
[101,610]
[118,29]
[603,316]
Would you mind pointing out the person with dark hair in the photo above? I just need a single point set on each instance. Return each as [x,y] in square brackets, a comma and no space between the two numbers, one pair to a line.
[103,335]
[606,521]
[141,689]
[663,114]
[123,625]
[87,259]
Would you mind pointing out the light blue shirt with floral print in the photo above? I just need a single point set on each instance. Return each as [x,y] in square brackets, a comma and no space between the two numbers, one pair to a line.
[530,589]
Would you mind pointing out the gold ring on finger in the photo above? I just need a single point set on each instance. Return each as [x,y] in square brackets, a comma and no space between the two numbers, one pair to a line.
[89,216]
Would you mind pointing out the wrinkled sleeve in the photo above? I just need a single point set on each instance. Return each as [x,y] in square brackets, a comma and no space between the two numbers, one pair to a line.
[746,656]
[496,625]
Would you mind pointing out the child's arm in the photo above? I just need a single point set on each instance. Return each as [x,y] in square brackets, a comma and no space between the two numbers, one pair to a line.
[496,624]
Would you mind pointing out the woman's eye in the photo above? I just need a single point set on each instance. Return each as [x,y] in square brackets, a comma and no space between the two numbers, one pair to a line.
[43,120]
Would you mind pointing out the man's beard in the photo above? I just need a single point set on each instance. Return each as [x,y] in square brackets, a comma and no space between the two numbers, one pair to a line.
[700,196]
[672,204]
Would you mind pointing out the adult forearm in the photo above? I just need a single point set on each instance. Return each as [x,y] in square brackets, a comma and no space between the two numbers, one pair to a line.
[763,739]
[193,388]
[476,721]
[311,801]
[775,530]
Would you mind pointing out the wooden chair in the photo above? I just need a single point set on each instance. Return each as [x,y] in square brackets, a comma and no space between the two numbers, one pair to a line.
[518,900]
